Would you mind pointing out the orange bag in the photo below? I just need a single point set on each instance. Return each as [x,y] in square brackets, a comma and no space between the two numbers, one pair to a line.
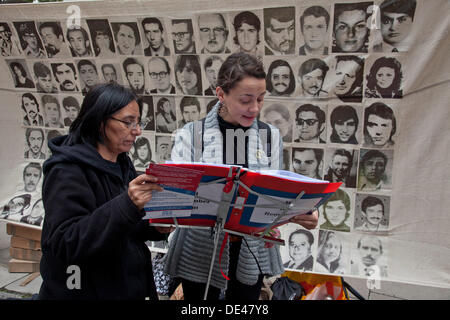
[318,286]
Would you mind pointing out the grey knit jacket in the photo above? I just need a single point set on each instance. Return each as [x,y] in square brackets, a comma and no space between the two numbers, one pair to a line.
[190,250]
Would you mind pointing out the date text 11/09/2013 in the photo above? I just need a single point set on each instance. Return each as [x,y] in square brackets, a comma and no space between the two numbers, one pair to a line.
[235,309]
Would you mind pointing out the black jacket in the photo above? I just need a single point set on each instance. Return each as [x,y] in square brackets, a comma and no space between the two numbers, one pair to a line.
[91,222]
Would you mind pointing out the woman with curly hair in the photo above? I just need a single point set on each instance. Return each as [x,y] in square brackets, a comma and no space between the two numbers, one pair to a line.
[384,79]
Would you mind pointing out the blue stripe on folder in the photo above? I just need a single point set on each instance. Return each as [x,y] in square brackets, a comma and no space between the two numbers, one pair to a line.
[178,190]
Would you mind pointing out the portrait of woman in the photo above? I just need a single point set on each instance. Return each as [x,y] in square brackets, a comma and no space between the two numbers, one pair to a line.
[384,79]
[330,256]
[142,155]
[188,75]
[336,211]
[102,38]
[20,75]
[166,121]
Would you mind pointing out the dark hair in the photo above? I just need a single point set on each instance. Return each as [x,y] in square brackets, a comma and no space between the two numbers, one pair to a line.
[21,68]
[41,70]
[308,234]
[99,104]
[249,18]
[399,6]
[28,131]
[129,61]
[318,154]
[142,141]
[70,102]
[191,61]
[35,165]
[383,111]
[339,195]
[372,154]
[85,62]
[238,66]
[276,64]
[132,25]
[343,113]
[152,20]
[189,101]
[320,114]
[54,26]
[317,12]
[311,65]
[100,27]
[31,97]
[371,201]
[394,90]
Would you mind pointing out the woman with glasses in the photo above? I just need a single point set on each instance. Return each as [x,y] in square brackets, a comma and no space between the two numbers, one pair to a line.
[94,202]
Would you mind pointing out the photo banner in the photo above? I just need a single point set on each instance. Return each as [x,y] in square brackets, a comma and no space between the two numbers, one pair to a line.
[358,89]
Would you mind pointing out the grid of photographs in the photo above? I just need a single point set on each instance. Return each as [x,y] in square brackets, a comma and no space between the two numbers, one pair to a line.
[333,86]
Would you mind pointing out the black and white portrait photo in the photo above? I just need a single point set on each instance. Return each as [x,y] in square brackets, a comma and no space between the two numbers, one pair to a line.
[190,110]
[79,42]
[161,76]
[89,77]
[375,170]
[344,124]
[142,155]
[29,40]
[278,115]
[396,21]
[350,26]
[30,106]
[371,212]
[66,76]
[45,82]
[279,30]
[188,75]
[128,39]
[384,79]
[380,126]
[341,166]
[31,177]
[36,214]
[337,212]
[20,74]
[314,28]
[333,253]
[155,37]
[165,113]
[34,143]
[148,113]
[134,71]
[183,36]
[211,66]
[213,32]
[9,45]
[164,146]
[110,71]
[52,36]
[247,35]
[52,111]
[369,257]
[308,162]
[280,79]
[311,76]
[299,247]
[348,78]
[71,107]
[102,38]
[310,123]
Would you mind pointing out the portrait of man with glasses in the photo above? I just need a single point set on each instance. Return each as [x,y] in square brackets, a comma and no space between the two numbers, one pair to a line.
[159,72]
[183,36]
[310,122]
[213,33]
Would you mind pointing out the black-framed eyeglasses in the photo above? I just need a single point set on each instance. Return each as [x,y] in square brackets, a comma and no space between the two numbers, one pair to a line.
[309,122]
[160,75]
[179,35]
[131,124]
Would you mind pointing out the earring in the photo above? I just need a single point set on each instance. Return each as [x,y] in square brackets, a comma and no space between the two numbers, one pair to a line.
[223,111]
